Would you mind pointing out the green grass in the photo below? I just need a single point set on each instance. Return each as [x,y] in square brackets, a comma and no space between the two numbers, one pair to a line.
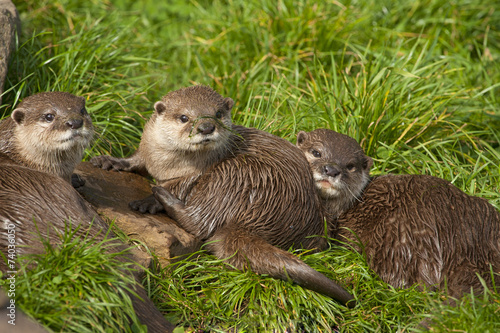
[206,294]
[77,286]
[417,83]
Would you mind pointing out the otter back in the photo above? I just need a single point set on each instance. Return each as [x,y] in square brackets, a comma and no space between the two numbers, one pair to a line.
[264,184]
[438,235]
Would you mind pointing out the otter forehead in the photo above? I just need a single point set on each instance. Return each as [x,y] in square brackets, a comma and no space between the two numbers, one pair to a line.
[334,144]
[197,99]
[334,147]
[59,100]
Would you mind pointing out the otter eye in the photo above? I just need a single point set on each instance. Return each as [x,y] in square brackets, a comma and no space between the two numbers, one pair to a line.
[184,118]
[315,153]
[49,117]
[218,114]
[351,168]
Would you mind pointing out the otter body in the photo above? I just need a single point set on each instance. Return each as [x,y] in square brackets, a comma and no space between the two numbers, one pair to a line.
[36,204]
[47,132]
[28,195]
[36,199]
[262,185]
[245,189]
[414,229]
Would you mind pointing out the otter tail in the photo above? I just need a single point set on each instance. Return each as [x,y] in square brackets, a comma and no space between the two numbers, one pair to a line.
[246,250]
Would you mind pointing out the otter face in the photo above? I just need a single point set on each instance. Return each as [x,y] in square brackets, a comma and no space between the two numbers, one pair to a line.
[339,166]
[192,119]
[53,122]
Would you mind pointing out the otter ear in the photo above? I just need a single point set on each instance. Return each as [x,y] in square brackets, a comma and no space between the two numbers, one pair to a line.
[368,162]
[301,137]
[228,103]
[160,107]
[18,115]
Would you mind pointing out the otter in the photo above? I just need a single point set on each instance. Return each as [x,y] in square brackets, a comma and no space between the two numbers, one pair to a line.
[38,204]
[37,199]
[246,193]
[48,132]
[414,229]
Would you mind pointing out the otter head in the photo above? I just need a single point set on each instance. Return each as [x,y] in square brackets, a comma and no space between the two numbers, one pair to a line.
[340,167]
[53,121]
[52,129]
[192,119]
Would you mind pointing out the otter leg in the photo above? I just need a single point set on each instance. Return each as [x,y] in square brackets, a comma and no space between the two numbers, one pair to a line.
[129,164]
[246,250]
[174,207]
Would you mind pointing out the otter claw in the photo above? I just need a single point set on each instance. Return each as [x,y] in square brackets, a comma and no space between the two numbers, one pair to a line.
[101,162]
[143,208]
[106,162]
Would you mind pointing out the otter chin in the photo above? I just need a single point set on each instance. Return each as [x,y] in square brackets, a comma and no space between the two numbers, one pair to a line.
[327,188]
[413,229]
[204,144]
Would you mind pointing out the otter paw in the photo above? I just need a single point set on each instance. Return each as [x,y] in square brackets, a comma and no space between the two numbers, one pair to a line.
[110,163]
[77,181]
[147,205]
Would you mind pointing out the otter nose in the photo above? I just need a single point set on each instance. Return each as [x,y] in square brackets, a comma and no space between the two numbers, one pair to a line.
[206,128]
[331,171]
[75,123]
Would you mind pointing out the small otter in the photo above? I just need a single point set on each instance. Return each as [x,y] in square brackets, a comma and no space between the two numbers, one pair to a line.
[413,228]
[248,190]
[178,141]
[48,132]
[36,198]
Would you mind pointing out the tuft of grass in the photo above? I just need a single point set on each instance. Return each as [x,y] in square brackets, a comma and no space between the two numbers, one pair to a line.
[201,292]
[474,313]
[77,286]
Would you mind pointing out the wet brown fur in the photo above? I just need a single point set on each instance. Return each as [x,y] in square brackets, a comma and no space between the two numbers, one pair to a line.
[43,205]
[249,191]
[262,185]
[414,229]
